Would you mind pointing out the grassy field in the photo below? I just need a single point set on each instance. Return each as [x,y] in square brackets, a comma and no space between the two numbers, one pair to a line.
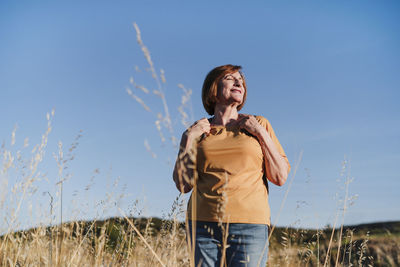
[156,242]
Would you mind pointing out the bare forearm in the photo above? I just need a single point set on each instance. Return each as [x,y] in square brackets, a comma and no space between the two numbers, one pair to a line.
[184,165]
[184,171]
[275,165]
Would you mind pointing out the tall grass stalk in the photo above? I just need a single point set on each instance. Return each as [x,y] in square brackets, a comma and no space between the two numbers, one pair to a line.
[347,182]
[142,238]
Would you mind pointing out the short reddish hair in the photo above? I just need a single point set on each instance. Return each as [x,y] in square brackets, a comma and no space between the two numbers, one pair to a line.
[211,83]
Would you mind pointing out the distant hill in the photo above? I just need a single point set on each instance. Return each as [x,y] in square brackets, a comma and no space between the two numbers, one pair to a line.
[373,229]
[378,228]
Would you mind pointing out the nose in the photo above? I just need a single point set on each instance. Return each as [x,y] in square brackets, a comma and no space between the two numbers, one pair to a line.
[237,81]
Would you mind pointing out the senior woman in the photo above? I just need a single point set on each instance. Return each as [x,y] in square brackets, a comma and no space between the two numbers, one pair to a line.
[226,161]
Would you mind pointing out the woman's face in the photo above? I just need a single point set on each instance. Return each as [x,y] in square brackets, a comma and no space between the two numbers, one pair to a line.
[230,89]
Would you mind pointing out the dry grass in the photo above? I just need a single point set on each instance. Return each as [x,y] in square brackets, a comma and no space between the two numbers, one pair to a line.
[155,242]
[127,241]
[105,243]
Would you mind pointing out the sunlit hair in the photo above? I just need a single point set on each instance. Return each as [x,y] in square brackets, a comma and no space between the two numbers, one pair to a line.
[211,83]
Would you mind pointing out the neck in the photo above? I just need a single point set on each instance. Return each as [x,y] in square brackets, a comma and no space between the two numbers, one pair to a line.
[225,114]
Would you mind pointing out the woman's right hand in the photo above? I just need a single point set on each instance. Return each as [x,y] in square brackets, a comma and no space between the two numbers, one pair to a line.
[184,171]
[198,128]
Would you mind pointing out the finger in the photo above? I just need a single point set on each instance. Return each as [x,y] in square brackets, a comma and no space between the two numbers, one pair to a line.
[194,124]
[244,120]
[204,126]
[199,121]
[240,120]
[242,124]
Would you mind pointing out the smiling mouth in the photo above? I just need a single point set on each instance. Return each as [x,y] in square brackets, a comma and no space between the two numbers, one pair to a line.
[236,90]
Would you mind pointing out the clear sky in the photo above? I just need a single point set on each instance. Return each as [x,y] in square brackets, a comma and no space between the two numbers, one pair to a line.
[324,73]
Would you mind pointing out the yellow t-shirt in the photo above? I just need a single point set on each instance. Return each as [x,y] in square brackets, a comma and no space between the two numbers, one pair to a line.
[231,186]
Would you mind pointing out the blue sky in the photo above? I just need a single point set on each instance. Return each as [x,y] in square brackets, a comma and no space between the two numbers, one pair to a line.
[325,74]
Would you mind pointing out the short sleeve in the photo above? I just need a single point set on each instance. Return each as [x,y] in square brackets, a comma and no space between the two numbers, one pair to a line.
[265,123]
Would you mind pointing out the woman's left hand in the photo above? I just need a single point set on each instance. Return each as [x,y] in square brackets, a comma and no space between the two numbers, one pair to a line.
[276,167]
[250,124]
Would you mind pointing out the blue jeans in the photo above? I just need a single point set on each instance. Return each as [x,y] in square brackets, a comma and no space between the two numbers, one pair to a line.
[246,244]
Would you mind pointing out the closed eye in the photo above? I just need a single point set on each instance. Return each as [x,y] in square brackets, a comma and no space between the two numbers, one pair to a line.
[230,77]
